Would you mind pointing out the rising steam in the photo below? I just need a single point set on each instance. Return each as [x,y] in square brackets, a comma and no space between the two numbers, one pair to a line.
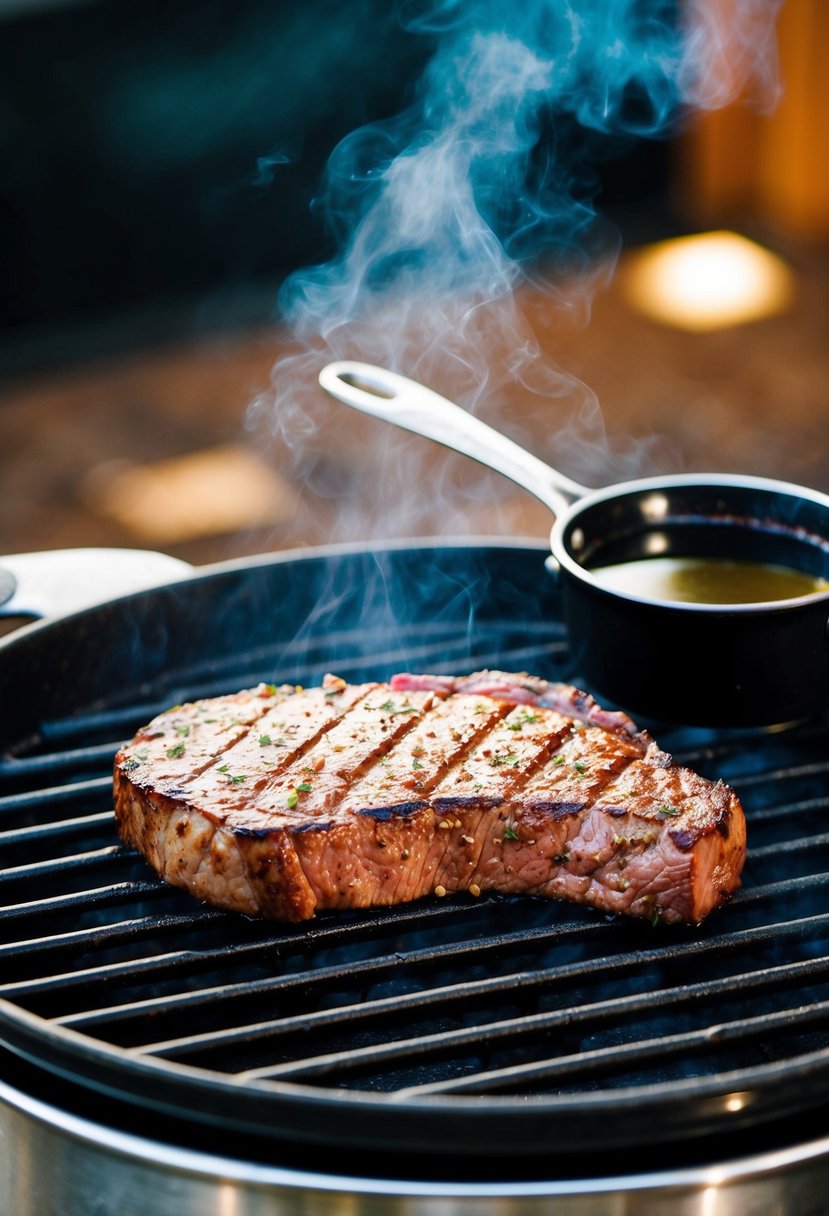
[486,183]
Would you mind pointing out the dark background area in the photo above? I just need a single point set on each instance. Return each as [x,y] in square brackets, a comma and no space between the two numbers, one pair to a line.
[168,154]
[160,161]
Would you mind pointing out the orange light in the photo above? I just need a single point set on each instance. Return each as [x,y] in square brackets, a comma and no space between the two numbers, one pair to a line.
[707,282]
[207,493]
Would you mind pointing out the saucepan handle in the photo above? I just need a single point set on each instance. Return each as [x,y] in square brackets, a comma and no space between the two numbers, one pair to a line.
[65,580]
[394,398]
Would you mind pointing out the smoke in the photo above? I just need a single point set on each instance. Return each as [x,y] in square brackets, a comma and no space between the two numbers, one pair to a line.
[449,217]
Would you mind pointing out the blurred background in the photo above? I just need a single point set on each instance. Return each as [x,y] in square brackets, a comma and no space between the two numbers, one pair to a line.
[161,176]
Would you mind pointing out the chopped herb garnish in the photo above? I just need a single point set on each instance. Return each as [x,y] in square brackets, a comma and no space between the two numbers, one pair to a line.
[129,765]
[304,787]
[524,718]
[510,832]
[559,760]
[183,731]
[499,759]
[223,768]
[581,766]
[392,709]
[292,799]
[238,778]
[416,763]
[265,740]
[667,810]
[175,752]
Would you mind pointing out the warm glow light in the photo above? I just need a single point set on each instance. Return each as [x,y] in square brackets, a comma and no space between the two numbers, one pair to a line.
[656,543]
[655,507]
[206,493]
[736,1102]
[707,282]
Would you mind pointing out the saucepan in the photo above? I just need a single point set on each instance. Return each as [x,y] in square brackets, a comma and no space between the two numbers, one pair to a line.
[700,599]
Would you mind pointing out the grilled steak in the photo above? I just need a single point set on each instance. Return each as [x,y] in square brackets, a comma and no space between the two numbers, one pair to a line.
[280,802]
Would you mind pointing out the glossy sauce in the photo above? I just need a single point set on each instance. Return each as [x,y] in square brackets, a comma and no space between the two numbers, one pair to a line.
[708,580]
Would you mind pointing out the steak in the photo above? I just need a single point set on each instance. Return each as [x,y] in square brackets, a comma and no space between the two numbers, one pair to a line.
[284,801]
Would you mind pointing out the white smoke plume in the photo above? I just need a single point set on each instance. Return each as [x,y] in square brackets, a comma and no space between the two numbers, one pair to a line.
[449,213]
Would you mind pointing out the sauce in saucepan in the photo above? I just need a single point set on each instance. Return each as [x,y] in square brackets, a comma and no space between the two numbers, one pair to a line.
[708,580]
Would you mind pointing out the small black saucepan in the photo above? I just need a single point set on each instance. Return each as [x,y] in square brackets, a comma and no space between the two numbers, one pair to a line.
[761,660]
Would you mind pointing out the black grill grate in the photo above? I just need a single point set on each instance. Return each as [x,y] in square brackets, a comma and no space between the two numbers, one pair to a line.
[531,1018]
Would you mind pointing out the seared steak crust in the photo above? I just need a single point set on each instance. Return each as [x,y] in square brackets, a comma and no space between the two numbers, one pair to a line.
[280,802]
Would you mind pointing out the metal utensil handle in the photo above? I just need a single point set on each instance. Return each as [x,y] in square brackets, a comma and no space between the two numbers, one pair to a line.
[385,394]
[56,581]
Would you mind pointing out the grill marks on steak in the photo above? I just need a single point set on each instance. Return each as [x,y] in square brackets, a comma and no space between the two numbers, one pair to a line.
[282,802]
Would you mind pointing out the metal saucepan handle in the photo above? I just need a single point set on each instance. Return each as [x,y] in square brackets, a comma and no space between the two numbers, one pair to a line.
[394,398]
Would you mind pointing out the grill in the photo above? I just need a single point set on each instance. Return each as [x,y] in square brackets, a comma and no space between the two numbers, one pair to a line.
[460,1042]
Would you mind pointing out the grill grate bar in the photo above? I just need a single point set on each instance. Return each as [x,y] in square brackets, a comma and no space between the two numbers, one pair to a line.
[76,941]
[52,906]
[789,809]
[452,1042]
[54,795]
[747,896]
[608,967]
[37,767]
[363,969]
[47,869]
[802,844]
[82,725]
[329,934]
[787,773]
[629,1055]
[717,747]
[62,831]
